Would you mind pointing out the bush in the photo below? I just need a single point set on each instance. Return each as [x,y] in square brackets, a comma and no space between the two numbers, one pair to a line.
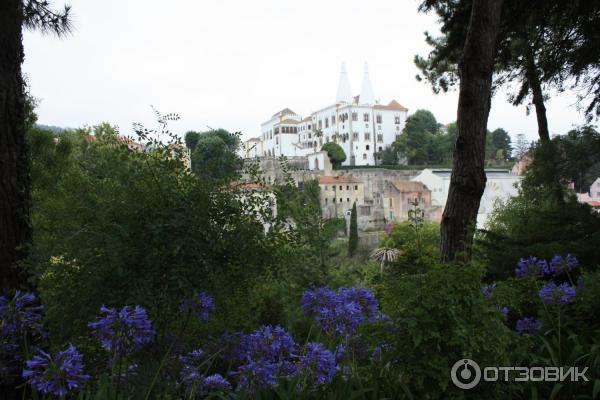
[442,317]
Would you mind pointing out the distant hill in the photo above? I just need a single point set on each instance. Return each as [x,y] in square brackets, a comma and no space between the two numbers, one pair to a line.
[52,128]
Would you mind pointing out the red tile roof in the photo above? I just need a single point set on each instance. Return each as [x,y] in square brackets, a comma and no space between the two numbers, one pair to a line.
[324,180]
[393,105]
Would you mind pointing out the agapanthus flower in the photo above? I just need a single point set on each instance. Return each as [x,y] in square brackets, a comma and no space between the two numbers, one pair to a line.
[194,381]
[215,382]
[564,293]
[200,305]
[486,290]
[531,266]
[527,325]
[20,314]
[504,310]
[122,332]
[58,374]
[340,312]
[256,374]
[318,363]
[559,265]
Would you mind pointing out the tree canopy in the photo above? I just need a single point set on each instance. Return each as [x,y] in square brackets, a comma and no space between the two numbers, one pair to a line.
[335,152]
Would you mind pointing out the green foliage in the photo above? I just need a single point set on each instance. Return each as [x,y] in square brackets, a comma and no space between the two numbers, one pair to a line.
[501,142]
[417,240]
[353,234]
[335,152]
[545,218]
[116,226]
[442,317]
[213,154]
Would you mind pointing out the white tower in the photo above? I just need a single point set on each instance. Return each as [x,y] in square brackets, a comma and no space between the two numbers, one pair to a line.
[344,93]
[367,96]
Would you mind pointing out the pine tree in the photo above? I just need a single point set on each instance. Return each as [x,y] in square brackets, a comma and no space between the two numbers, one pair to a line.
[353,235]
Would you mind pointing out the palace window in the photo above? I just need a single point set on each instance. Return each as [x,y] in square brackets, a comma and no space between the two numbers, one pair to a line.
[320,124]
[397,128]
[355,136]
[354,116]
[378,117]
[341,187]
[364,156]
[367,136]
[348,199]
[326,122]
[380,138]
[397,120]
[366,117]
[332,119]
[355,187]
[367,147]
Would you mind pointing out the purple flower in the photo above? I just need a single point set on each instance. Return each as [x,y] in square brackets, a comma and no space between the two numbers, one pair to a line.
[340,312]
[215,382]
[487,290]
[20,314]
[527,325]
[504,310]
[200,305]
[192,379]
[559,265]
[271,342]
[318,363]
[58,374]
[531,266]
[256,374]
[124,331]
[550,293]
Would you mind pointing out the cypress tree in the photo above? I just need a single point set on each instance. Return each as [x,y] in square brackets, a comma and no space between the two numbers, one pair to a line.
[353,235]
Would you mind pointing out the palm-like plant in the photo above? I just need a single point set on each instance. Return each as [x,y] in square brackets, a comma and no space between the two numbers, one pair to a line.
[385,255]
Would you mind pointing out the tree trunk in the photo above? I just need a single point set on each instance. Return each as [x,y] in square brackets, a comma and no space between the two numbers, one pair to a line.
[538,98]
[468,179]
[15,226]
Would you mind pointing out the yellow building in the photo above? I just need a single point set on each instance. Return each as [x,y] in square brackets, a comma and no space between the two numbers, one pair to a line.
[339,193]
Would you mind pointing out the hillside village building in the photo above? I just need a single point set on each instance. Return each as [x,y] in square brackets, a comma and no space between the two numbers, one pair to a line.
[592,197]
[501,185]
[339,193]
[359,124]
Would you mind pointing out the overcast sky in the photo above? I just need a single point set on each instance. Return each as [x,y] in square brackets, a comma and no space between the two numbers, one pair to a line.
[233,64]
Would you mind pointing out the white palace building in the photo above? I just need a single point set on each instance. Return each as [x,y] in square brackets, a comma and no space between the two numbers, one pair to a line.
[359,124]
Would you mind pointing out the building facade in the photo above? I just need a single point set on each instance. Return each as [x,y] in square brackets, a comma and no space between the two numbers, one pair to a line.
[359,124]
[339,193]
[501,184]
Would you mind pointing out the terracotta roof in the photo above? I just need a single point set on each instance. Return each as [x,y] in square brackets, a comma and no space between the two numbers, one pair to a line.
[393,105]
[594,203]
[285,111]
[410,186]
[250,185]
[324,180]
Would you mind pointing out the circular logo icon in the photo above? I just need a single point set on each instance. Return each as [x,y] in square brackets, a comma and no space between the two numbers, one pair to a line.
[465,374]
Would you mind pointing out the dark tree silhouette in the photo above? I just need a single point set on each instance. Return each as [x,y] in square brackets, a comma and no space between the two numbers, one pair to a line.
[15,224]
[353,234]
[542,44]
[467,183]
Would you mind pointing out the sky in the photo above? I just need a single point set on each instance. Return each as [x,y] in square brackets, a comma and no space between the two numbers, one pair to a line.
[232,64]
